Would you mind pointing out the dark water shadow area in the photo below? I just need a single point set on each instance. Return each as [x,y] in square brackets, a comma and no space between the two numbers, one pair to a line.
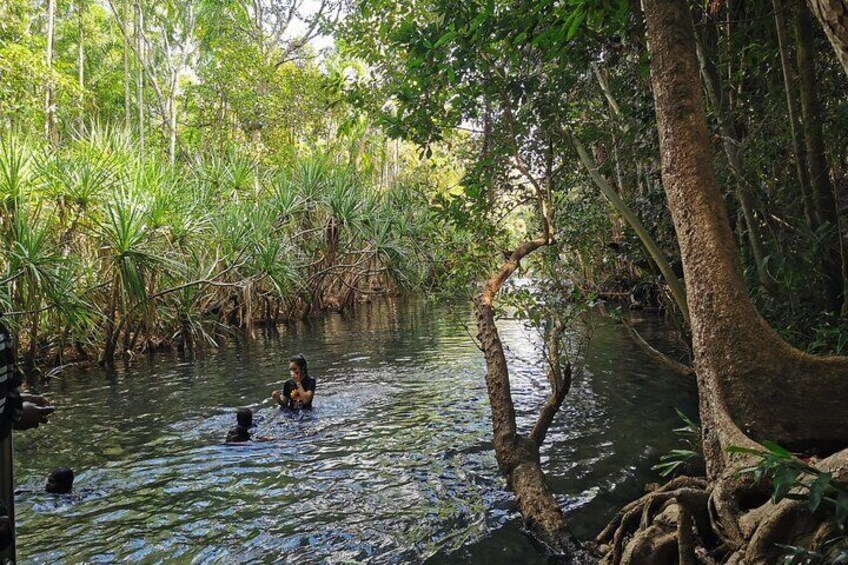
[393,466]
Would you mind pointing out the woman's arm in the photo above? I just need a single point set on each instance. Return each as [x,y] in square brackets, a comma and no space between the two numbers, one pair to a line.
[305,396]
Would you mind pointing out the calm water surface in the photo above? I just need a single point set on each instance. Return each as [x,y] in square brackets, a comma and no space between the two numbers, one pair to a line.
[393,466]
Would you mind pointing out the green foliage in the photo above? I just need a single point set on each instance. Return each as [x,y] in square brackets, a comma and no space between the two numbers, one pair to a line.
[97,233]
[307,158]
[787,472]
[794,479]
[676,459]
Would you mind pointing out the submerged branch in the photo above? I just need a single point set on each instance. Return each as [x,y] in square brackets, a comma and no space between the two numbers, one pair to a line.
[655,354]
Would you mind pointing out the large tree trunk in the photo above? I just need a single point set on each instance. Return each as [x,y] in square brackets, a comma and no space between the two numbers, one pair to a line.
[833,17]
[752,385]
[816,161]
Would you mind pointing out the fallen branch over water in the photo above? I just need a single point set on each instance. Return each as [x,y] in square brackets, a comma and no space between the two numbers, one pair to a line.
[655,354]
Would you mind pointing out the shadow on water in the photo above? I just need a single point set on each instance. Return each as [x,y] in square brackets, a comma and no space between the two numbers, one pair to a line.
[393,466]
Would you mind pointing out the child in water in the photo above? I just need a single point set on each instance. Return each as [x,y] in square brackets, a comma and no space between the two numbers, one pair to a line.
[299,390]
[241,432]
[60,481]
[61,491]
[244,421]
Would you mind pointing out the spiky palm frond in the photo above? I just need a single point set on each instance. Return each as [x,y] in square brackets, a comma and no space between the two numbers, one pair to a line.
[345,198]
[77,182]
[104,140]
[284,196]
[131,250]
[16,173]
[240,174]
[309,177]
[32,254]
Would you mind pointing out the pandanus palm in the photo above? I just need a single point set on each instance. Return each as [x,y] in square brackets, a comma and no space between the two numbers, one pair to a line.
[29,261]
[75,184]
[33,256]
[130,254]
[386,231]
[344,203]
[16,176]
[97,236]
[189,304]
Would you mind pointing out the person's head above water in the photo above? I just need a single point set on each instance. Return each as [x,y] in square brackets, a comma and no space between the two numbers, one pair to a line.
[244,417]
[238,434]
[297,363]
[60,481]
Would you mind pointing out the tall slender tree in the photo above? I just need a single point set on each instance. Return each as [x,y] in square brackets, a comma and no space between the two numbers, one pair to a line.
[793,113]
[51,126]
[126,75]
[817,167]
[140,58]
[81,45]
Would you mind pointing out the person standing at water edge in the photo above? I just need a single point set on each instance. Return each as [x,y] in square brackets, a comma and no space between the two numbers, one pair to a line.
[299,390]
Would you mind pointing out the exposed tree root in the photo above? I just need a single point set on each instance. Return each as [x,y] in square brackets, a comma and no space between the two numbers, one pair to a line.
[664,526]
[686,521]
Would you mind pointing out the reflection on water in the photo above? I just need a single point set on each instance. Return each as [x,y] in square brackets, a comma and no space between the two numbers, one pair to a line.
[394,465]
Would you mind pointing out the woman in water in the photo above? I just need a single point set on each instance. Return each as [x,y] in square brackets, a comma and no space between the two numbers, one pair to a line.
[299,390]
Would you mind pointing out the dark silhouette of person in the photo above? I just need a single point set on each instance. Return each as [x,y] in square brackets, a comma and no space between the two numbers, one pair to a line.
[238,434]
[60,481]
[18,411]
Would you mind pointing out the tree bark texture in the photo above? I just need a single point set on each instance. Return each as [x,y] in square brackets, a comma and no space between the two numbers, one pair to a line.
[833,17]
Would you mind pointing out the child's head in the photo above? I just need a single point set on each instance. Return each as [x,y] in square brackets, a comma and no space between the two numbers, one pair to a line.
[60,481]
[244,417]
[238,434]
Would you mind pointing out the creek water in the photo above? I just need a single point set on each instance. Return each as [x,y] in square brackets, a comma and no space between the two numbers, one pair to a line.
[394,465]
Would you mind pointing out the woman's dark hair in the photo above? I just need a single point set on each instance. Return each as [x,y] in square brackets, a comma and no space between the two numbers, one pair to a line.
[300,361]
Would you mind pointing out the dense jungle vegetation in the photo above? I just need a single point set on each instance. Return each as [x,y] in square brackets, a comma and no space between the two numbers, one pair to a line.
[171,170]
